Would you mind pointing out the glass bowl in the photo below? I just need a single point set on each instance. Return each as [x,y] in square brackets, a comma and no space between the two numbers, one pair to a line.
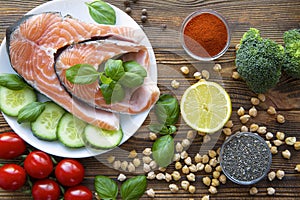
[245,158]
[193,47]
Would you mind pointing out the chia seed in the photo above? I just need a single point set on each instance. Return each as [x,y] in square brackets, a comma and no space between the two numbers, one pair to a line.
[245,158]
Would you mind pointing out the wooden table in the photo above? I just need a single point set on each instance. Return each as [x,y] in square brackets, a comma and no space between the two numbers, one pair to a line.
[271,17]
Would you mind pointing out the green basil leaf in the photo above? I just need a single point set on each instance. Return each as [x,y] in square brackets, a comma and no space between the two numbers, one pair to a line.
[134,188]
[104,79]
[82,74]
[172,129]
[12,81]
[107,90]
[167,109]
[105,187]
[30,112]
[134,67]
[102,12]
[114,69]
[118,93]
[131,80]
[163,150]
[159,128]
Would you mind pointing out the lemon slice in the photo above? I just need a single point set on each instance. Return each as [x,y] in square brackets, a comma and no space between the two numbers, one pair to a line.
[205,106]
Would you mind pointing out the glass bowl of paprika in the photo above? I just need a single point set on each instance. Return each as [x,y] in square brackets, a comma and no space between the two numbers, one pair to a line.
[205,35]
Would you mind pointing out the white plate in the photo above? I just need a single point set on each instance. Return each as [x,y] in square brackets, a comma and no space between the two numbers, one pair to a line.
[129,123]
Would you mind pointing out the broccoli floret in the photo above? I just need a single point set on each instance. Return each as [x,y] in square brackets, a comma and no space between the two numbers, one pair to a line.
[291,64]
[259,61]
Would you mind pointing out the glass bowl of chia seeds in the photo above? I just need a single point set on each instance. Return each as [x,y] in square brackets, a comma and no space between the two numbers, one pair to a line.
[245,158]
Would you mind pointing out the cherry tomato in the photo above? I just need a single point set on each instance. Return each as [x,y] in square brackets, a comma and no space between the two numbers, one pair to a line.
[79,192]
[69,172]
[45,189]
[11,145]
[12,177]
[38,164]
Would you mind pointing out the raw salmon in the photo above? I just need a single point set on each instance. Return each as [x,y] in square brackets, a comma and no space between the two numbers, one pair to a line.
[32,43]
[98,52]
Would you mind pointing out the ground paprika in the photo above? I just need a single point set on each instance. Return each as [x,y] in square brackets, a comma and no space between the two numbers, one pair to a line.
[205,35]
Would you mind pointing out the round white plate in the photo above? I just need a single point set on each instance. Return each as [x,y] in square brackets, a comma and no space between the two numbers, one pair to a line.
[129,123]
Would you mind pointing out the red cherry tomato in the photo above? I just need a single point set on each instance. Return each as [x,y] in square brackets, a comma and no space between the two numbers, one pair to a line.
[45,189]
[38,164]
[12,177]
[79,192]
[69,172]
[11,145]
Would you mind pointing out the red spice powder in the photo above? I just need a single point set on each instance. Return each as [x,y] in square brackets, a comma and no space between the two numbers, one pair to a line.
[205,35]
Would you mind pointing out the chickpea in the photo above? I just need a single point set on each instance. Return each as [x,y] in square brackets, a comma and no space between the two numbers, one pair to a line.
[217,68]
[200,166]
[190,135]
[280,135]
[222,179]
[185,169]
[253,127]
[216,174]
[270,191]
[173,188]
[280,174]
[280,119]
[205,197]
[227,131]
[253,112]
[185,185]
[271,175]
[168,177]
[188,161]
[206,181]
[244,129]
[235,75]
[212,153]
[215,182]
[191,177]
[185,70]
[121,177]
[152,136]
[131,167]
[255,101]
[176,175]
[192,189]
[229,124]
[213,189]
[205,74]
[208,168]
[178,147]
[193,168]
[290,140]
[178,165]
[262,130]
[147,151]
[241,111]
[206,139]
[175,84]
[111,159]
[261,97]
[197,75]
[274,150]
[117,164]
[271,110]
[186,143]
[269,135]
[286,154]
[277,142]
[205,159]
[124,165]
[151,193]
[297,168]
[297,146]
[198,158]
[253,191]
[151,175]
[160,176]
[132,154]
[244,119]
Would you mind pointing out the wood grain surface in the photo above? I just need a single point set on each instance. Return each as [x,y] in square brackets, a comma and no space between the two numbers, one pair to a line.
[271,17]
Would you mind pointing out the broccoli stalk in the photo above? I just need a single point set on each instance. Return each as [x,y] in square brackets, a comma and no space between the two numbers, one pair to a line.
[259,61]
[291,64]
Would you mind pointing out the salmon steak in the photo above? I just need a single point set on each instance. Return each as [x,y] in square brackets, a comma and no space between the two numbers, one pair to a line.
[32,44]
[98,52]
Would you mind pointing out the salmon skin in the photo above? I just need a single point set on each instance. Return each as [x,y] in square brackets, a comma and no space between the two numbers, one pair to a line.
[98,52]
[32,43]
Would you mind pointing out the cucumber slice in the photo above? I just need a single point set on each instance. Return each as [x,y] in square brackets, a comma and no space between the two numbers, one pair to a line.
[11,101]
[45,126]
[102,139]
[70,131]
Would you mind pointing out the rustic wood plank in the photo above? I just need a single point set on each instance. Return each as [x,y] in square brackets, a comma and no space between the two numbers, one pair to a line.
[272,17]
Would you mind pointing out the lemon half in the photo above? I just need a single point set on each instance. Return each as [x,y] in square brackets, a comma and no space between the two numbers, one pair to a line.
[206,106]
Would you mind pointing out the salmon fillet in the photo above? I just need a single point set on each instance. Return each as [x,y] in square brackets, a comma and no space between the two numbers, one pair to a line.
[98,52]
[32,43]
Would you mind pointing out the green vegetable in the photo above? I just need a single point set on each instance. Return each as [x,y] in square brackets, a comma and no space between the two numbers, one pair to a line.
[259,61]
[163,150]
[167,109]
[291,63]
[112,92]
[131,80]
[162,129]
[12,81]
[102,12]
[134,67]
[134,188]
[30,112]
[82,74]
[114,69]
[105,187]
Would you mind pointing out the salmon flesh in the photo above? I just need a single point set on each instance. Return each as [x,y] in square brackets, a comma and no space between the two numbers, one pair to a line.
[32,45]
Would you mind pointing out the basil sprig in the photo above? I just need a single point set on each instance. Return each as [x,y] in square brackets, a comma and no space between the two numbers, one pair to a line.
[167,112]
[105,187]
[102,12]
[116,77]
[132,188]
[30,112]
[163,150]
[12,81]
